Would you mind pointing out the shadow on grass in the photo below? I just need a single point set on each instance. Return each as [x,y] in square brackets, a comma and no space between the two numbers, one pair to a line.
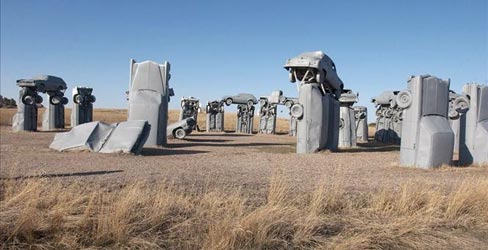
[64,175]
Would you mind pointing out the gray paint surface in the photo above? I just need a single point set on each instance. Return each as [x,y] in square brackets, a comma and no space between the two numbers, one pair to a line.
[123,137]
[289,102]
[190,106]
[245,110]
[267,116]
[474,148]
[53,118]
[149,94]
[82,106]
[389,117]
[268,111]
[26,117]
[427,138]
[361,118]
[317,110]
[182,128]
[215,116]
[268,108]
[241,98]
[245,118]
[458,106]
[347,124]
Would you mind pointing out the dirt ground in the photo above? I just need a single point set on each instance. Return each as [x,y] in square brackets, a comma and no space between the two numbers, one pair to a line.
[243,191]
[220,159]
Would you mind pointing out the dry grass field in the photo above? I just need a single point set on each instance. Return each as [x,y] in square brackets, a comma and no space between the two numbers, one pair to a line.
[118,115]
[232,191]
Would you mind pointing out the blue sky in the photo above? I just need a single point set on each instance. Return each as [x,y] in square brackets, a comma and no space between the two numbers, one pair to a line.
[226,47]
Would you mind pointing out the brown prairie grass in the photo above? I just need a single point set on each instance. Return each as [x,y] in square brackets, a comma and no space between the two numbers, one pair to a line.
[49,214]
[119,115]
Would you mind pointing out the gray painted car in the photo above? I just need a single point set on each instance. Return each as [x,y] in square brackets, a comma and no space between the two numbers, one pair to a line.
[44,83]
[241,98]
[121,137]
[149,94]
[317,112]
[289,101]
[182,128]
[315,67]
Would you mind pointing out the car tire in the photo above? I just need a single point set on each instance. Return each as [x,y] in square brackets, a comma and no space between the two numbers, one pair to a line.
[461,104]
[400,116]
[404,99]
[388,113]
[282,99]
[228,101]
[77,99]
[179,133]
[55,100]
[250,103]
[453,114]
[297,111]
[39,99]
[64,100]
[341,123]
[288,104]
[393,103]
[92,98]
[28,100]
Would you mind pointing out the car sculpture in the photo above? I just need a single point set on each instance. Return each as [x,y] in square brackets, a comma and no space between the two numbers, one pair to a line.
[181,129]
[44,83]
[241,98]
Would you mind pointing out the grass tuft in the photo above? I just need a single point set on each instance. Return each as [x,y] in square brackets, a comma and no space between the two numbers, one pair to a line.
[47,214]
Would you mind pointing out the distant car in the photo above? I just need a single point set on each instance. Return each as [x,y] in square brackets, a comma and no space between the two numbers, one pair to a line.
[192,101]
[241,98]
[348,96]
[263,100]
[386,98]
[83,95]
[289,101]
[44,83]
[215,106]
[182,128]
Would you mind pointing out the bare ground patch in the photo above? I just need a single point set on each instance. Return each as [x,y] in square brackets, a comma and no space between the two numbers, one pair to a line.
[234,191]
